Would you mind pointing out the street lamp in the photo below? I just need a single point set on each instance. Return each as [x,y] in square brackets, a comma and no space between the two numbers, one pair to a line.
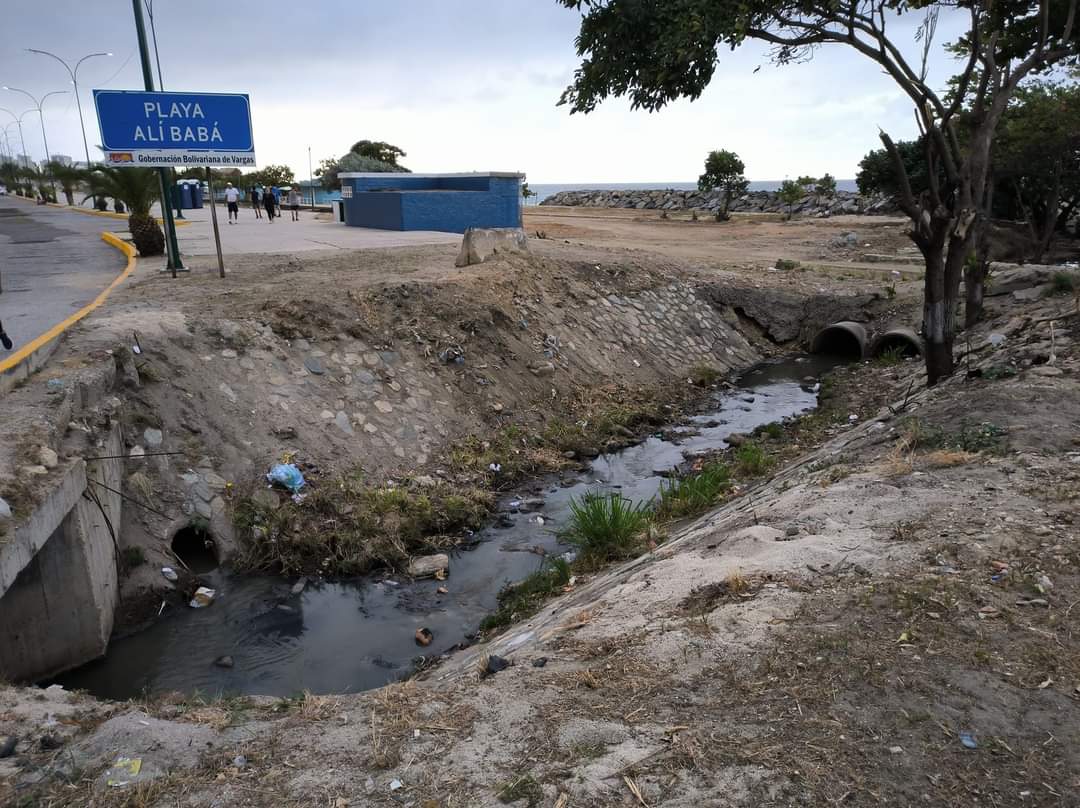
[41,115]
[18,120]
[74,73]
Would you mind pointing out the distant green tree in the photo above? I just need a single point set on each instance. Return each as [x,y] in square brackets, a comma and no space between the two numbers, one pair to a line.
[378,150]
[723,170]
[806,182]
[526,191]
[274,175]
[69,177]
[791,191]
[328,170]
[877,170]
[826,186]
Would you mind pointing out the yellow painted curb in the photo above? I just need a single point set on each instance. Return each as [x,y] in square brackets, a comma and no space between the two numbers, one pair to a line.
[58,329]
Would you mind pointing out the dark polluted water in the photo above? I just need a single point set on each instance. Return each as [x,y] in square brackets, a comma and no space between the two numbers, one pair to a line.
[353,635]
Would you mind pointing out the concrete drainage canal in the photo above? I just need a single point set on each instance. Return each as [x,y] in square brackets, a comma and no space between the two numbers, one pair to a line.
[271,636]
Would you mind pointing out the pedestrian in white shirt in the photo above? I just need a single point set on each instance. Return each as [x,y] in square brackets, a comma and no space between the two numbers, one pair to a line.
[232,198]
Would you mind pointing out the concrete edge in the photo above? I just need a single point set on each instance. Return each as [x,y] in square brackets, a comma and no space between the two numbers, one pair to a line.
[32,356]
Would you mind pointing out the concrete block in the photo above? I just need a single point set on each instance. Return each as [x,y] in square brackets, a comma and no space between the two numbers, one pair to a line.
[482,244]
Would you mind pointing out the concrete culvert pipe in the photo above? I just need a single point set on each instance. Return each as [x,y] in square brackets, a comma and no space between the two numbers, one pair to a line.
[905,340]
[846,339]
[196,548]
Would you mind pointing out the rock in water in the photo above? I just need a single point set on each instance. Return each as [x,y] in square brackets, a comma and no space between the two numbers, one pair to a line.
[428,566]
[224,661]
[424,636]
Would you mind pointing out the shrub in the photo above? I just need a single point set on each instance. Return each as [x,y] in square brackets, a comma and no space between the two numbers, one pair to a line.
[704,375]
[1063,283]
[520,600]
[693,494]
[604,527]
[890,357]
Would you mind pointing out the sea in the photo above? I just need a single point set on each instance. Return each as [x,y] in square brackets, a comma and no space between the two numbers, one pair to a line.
[544,190]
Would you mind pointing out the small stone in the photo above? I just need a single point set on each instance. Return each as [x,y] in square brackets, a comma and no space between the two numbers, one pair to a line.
[47,457]
[326,415]
[153,438]
[543,369]
[313,365]
[224,662]
[30,471]
[540,662]
[791,530]
[7,746]
[229,353]
[431,565]
[384,406]
[5,509]
[1045,370]
[227,392]
[424,636]
[298,587]
[342,421]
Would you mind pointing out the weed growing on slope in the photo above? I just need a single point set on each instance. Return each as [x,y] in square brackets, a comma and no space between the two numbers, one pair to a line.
[520,600]
[605,527]
[692,494]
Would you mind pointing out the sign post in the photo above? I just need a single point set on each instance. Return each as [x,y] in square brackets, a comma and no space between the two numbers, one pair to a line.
[213,217]
[172,248]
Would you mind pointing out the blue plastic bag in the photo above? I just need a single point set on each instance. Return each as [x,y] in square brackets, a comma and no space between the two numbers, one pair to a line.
[287,476]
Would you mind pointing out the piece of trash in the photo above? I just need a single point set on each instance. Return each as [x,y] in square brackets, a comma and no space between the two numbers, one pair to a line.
[369,785]
[416,733]
[495,467]
[538,519]
[440,575]
[442,590]
[997,339]
[7,746]
[988,611]
[540,662]
[287,475]
[224,661]
[1045,684]
[239,761]
[424,636]
[1034,602]
[1044,584]
[395,785]
[853,418]
[968,740]
[451,355]
[123,771]
[169,574]
[896,750]
[203,596]
[298,587]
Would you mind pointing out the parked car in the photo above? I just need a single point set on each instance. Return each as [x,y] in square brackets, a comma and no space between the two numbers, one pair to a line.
[3,189]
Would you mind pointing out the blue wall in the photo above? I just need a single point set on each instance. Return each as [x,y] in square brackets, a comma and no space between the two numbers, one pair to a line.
[445,203]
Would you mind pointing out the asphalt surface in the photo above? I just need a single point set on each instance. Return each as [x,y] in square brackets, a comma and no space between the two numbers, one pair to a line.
[52,263]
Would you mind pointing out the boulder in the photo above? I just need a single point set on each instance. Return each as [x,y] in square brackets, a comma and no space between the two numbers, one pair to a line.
[429,566]
[481,244]
[1007,278]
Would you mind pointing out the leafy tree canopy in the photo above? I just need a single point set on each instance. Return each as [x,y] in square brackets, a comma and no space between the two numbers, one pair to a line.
[378,150]
[724,170]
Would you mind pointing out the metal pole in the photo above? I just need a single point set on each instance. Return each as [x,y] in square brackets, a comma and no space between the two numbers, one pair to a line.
[74,73]
[213,218]
[175,262]
[311,178]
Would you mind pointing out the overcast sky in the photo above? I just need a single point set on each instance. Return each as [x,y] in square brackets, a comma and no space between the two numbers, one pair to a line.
[461,85]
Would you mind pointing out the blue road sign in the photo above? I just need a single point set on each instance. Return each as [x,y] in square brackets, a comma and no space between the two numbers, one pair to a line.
[161,129]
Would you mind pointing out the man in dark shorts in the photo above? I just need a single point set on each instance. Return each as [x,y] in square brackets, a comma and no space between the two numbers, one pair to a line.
[232,199]
[256,202]
[294,203]
[269,203]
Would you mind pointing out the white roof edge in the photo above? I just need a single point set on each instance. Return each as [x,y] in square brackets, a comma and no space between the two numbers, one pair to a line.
[349,175]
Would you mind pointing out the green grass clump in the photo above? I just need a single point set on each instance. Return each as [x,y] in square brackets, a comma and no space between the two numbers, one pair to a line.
[605,527]
[682,497]
[521,600]
[704,375]
[970,437]
[890,357]
[1063,283]
[751,460]
[521,788]
[131,557]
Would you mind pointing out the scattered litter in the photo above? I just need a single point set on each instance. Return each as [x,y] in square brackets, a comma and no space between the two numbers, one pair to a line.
[424,636]
[203,596]
[169,574]
[452,355]
[416,733]
[442,590]
[1034,602]
[853,418]
[495,467]
[123,771]
[997,339]
[395,785]
[288,476]
[224,661]
[896,750]
[239,761]
[1044,584]
[540,662]
[968,740]
[538,519]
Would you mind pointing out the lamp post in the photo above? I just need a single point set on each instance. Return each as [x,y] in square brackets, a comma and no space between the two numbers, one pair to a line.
[41,115]
[311,178]
[18,120]
[74,73]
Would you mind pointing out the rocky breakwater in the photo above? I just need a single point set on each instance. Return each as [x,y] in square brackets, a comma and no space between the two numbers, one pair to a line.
[842,202]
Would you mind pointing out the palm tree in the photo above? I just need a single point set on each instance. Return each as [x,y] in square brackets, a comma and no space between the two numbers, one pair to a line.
[69,178]
[31,176]
[138,189]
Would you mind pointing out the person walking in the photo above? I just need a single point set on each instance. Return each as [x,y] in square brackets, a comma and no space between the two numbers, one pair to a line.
[5,340]
[256,202]
[294,203]
[232,200]
[277,198]
[268,203]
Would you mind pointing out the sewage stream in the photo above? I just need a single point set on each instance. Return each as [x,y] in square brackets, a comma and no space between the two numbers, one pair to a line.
[353,635]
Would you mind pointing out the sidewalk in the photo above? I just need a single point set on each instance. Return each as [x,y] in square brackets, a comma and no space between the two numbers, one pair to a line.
[312,232]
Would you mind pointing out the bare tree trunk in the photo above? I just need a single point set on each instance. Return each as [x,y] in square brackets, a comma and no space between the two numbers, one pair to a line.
[938,329]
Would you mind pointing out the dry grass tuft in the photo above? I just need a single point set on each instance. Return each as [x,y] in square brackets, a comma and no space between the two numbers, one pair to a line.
[946,458]
[141,484]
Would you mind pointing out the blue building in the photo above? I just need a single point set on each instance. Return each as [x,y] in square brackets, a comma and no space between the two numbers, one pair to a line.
[447,202]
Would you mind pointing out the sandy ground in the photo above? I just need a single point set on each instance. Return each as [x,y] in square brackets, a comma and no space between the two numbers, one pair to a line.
[885,620]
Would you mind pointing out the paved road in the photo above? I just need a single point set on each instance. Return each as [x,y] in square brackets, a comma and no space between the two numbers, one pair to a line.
[52,263]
